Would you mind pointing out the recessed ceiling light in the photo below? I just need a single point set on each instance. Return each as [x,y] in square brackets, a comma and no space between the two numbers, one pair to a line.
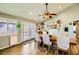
[59,7]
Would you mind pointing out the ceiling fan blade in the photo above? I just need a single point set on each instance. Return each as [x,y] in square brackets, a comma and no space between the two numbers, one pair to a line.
[53,14]
[50,16]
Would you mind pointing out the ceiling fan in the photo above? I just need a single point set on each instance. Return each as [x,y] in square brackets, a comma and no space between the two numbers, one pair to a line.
[47,13]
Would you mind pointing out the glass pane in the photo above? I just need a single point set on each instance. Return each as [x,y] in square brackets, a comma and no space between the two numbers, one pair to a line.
[26,36]
[33,30]
[12,28]
[3,27]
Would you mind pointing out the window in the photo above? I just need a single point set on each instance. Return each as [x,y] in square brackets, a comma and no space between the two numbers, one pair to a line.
[3,27]
[12,28]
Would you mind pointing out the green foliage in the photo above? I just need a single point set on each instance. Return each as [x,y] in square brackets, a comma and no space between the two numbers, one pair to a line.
[18,26]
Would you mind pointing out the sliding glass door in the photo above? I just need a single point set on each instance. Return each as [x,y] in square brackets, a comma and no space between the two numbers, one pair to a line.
[29,31]
[33,29]
[26,31]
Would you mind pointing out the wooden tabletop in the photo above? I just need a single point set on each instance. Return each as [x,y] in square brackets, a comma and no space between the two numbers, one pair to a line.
[73,41]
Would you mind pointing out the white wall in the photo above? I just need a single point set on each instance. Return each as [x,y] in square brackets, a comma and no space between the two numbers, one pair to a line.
[4,42]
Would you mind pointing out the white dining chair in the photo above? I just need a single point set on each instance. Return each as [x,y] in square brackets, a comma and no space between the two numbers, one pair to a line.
[36,39]
[46,41]
[62,42]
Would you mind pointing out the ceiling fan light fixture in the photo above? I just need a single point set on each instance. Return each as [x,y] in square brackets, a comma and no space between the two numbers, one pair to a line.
[47,14]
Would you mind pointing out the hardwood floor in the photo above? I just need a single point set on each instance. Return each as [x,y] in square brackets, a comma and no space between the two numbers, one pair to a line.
[23,49]
[28,48]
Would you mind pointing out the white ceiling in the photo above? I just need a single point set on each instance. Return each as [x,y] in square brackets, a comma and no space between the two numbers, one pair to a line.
[31,10]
